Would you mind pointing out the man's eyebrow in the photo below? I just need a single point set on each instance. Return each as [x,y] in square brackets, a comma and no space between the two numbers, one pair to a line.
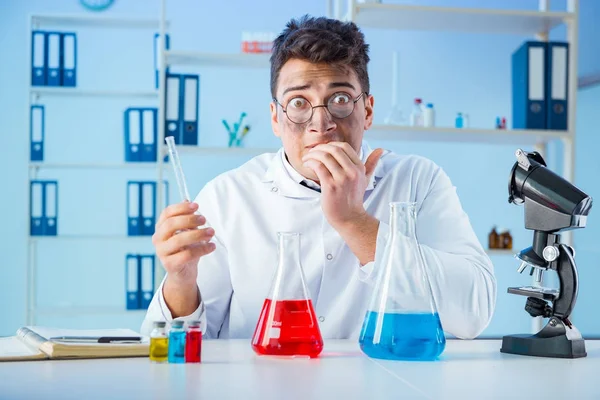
[303,87]
[333,85]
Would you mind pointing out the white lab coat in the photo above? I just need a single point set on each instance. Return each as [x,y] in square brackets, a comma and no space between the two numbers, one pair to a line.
[249,205]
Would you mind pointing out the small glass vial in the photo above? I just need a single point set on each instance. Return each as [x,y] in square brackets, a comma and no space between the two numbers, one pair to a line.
[505,239]
[193,343]
[159,343]
[177,343]
[493,239]
[459,121]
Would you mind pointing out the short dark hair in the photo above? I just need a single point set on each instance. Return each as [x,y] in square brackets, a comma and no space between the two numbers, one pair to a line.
[321,40]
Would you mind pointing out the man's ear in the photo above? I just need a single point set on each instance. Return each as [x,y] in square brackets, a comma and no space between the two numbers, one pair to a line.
[369,103]
[274,119]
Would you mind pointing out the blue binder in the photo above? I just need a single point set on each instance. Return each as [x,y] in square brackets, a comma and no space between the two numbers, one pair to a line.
[36,208]
[173,100]
[557,85]
[156,66]
[149,118]
[53,56]
[68,59]
[529,86]
[36,132]
[133,133]
[148,197]
[50,208]
[190,87]
[43,208]
[132,282]
[38,58]
[147,280]
[133,208]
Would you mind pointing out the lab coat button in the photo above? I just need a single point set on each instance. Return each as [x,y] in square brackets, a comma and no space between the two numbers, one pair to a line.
[329,257]
[321,318]
[274,189]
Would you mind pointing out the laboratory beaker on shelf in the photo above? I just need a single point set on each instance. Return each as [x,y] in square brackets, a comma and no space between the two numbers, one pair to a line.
[402,322]
[287,325]
[395,116]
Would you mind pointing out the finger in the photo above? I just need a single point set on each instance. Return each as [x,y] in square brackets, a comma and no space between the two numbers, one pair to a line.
[185,256]
[340,156]
[185,240]
[178,223]
[371,162]
[320,170]
[329,161]
[182,208]
[348,150]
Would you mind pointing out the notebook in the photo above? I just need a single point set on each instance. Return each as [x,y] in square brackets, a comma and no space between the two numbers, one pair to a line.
[33,343]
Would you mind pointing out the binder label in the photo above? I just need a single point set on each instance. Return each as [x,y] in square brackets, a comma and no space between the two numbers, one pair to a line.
[536,73]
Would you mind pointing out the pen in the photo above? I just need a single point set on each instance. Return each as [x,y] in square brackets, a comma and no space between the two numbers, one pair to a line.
[97,339]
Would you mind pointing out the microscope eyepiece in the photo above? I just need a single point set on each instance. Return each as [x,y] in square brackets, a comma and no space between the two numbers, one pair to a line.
[552,204]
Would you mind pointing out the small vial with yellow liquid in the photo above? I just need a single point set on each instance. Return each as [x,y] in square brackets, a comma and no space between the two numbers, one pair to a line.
[159,343]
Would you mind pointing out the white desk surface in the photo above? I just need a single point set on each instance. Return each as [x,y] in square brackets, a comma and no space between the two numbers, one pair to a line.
[231,370]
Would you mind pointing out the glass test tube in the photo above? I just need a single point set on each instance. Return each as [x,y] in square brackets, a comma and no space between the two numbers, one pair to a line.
[174,157]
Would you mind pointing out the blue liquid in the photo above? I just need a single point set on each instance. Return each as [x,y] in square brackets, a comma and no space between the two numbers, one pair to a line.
[177,347]
[403,336]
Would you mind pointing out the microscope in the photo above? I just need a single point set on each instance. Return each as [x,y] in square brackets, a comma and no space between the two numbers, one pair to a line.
[552,205]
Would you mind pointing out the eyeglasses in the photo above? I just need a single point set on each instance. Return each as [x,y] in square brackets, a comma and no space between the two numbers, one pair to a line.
[299,110]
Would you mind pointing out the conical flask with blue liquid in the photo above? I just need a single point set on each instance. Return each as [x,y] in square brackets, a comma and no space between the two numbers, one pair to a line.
[402,322]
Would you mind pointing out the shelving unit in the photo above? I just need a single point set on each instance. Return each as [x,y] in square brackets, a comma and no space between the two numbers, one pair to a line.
[465,135]
[472,20]
[36,93]
[37,165]
[489,21]
[232,60]
[41,91]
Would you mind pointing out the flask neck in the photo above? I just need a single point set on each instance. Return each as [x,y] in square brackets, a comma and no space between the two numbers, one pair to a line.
[289,249]
[403,219]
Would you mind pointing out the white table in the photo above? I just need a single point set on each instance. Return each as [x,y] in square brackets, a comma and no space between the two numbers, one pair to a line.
[230,370]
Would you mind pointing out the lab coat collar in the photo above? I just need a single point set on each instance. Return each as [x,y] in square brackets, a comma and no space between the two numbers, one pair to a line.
[285,180]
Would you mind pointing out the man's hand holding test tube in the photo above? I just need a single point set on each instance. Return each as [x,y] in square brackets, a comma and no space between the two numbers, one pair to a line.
[180,244]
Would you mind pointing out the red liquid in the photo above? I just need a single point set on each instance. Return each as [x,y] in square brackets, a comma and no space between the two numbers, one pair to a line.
[193,346]
[287,328]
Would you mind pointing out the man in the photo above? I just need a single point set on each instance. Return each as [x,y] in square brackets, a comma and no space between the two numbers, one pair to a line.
[328,185]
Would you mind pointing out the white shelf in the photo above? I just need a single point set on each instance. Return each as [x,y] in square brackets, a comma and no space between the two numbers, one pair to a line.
[77,310]
[239,60]
[87,21]
[500,252]
[70,91]
[411,17]
[91,237]
[224,151]
[123,165]
[463,135]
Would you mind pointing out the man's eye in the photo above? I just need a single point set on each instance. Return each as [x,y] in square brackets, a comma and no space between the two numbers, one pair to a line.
[297,102]
[340,98]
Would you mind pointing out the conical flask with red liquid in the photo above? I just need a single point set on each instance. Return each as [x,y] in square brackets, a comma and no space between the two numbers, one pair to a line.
[287,325]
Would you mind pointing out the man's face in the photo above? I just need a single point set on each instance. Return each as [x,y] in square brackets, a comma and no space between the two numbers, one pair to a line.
[301,81]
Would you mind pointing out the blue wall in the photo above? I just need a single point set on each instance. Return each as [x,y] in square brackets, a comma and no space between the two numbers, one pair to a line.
[457,72]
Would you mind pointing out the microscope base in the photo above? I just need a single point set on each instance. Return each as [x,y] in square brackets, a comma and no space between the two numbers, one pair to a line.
[552,341]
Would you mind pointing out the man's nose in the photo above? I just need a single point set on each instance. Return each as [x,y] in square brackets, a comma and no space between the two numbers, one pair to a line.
[321,121]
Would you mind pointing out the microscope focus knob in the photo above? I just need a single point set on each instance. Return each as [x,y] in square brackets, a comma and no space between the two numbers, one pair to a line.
[550,253]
